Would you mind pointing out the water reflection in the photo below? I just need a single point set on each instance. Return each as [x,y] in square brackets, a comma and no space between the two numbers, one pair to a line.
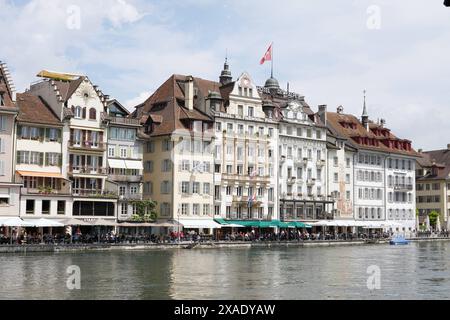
[418,271]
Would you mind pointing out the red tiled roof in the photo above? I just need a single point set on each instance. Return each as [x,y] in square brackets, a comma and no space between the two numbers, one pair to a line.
[349,127]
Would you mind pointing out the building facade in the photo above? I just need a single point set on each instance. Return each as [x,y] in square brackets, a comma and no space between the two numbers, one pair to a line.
[246,153]
[302,150]
[81,107]
[45,193]
[125,158]
[383,171]
[433,185]
[9,189]
[178,159]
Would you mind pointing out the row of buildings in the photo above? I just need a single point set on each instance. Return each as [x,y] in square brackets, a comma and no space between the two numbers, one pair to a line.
[202,150]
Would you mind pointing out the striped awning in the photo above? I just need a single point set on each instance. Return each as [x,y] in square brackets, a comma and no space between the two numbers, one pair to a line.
[40,174]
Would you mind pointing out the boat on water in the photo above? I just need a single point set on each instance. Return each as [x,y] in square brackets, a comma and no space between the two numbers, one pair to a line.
[398,240]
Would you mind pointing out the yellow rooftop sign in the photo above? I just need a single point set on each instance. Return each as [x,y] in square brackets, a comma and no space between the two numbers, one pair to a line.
[58,76]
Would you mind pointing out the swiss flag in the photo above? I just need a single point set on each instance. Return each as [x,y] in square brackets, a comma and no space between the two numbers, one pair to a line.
[267,55]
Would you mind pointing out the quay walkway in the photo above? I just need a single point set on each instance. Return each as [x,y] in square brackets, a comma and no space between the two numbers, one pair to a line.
[55,248]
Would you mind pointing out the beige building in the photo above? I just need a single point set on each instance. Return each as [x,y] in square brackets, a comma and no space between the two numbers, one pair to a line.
[9,190]
[433,185]
[178,160]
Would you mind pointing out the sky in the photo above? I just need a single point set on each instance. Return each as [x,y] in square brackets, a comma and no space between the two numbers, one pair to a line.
[329,51]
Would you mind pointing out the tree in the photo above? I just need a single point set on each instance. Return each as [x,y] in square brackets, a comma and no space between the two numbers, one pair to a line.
[145,210]
[433,218]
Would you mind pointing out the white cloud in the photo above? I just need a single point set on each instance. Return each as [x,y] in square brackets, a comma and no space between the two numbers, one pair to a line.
[122,12]
[325,51]
[142,97]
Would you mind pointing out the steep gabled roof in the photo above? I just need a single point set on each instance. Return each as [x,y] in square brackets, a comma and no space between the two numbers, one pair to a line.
[167,104]
[33,109]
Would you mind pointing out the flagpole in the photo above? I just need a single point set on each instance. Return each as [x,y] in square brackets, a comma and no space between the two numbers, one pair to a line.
[271,71]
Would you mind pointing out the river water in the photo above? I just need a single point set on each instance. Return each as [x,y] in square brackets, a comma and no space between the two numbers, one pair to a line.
[417,271]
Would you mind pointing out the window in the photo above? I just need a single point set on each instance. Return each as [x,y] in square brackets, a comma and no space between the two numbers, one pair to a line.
[111,151]
[78,112]
[133,190]
[319,134]
[122,190]
[206,210]
[165,187]
[165,209]
[196,209]
[240,111]
[166,165]
[335,161]
[196,187]
[30,207]
[52,159]
[45,206]
[2,167]
[207,188]
[336,177]
[218,126]
[250,111]
[92,114]
[123,152]
[2,100]
[150,147]
[148,166]
[4,201]
[166,145]
[348,163]
[185,209]
[185,187]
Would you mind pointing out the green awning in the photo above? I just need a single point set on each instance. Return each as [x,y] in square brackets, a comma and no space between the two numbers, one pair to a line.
[263,223]
[298,224]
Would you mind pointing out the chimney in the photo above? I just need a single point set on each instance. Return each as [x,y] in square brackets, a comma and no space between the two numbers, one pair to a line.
[189,93]
[420,150]
[382,123]
[323,113]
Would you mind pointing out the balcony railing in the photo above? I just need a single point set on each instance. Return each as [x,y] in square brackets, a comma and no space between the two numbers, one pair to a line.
[94,193]
[320,163]
[87,145]
[246,178]
[403,187]
[311,182]
[125,178]
[87,170]
[130,196]
[46,191]
[291,180]
[127,121]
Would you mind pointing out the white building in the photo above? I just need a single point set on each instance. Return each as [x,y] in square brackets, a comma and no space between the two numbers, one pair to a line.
[383,172]
[302,150]
[81,107]
[246,153]
[45,193]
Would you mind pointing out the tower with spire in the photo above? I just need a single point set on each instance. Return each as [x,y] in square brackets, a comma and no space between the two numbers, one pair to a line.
[365,114]
[225,76]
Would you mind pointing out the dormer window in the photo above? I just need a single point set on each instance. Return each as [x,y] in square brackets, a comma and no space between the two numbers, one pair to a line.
[2,100]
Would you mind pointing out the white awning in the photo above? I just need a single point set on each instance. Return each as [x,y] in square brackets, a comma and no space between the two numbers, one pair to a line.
[199,224]
[43,223]
[116,164]
[132,164]
[13,222]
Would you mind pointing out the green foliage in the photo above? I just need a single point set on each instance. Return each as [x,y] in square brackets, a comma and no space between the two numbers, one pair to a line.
[145,211]
[433,217]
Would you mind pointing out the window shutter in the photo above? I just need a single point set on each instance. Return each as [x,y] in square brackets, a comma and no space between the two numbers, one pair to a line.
[2,146]
[71,160]
[2,168]
[47,162]
[47,134]
[60,160]
[3,123]
[41,158]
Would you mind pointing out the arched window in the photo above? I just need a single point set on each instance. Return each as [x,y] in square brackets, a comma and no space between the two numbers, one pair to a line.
[92,114]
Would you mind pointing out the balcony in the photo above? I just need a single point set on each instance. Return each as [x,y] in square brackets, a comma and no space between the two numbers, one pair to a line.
[246,178]
[240,199]
[130,196]
[125,121]
[403,187]
[320,163]
[125,178]
[94,193]
[311,182]
[87,145]
[291,180]
[87,170]
[282,159]
[63,191]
